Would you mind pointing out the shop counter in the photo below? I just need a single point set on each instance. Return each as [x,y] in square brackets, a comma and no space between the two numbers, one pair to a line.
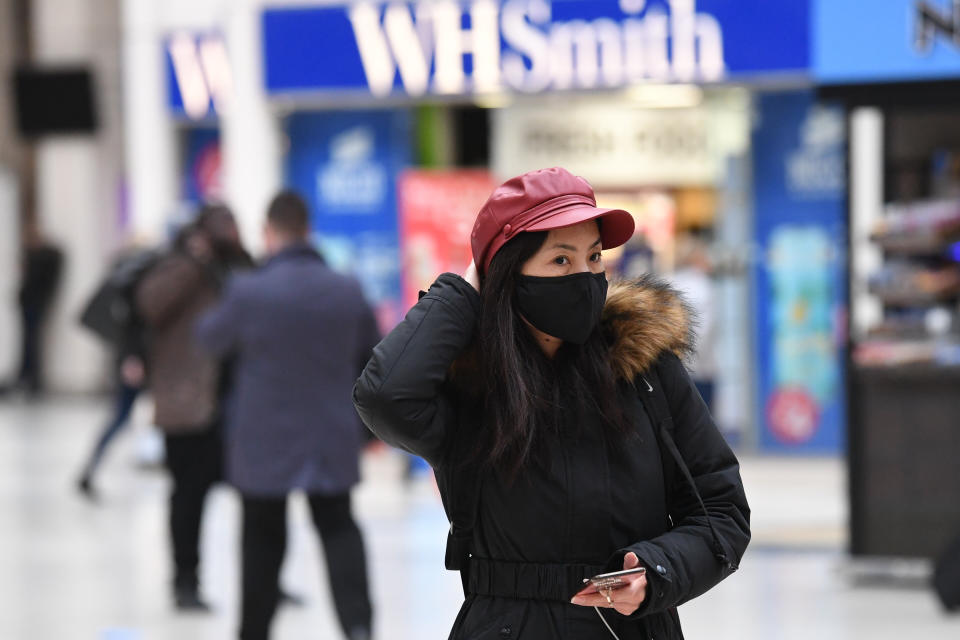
[904,455]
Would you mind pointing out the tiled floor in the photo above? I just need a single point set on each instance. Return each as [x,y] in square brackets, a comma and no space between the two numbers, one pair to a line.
[71,570]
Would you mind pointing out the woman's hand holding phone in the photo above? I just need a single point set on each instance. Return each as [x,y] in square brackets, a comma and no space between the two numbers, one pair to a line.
[624,600]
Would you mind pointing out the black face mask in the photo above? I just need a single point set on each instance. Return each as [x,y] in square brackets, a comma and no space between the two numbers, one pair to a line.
[565,307]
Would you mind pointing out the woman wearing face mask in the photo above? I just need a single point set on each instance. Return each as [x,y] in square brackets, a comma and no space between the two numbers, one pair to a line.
[532,391]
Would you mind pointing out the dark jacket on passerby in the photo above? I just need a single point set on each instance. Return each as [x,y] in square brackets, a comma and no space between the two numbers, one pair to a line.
[42,265]
[184,378]
[300,334]
[585,502]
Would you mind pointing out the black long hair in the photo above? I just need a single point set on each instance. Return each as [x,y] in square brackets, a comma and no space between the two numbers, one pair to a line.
[525,394]
[228,254]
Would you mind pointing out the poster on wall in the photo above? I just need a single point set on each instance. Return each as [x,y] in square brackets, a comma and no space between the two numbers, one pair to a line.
[437,212]
[345,164]
[202,165]
[800,278]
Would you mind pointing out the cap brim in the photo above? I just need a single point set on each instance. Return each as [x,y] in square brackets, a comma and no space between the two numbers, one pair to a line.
[618,225]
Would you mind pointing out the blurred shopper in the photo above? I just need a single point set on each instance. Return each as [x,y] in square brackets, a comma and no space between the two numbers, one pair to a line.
[41,266]
[946,576]
[185,380]
[693,278]
[301,334]
[112,315]
[542,403]
[638,258]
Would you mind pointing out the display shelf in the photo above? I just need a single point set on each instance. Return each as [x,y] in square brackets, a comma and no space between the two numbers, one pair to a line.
[916,298]
[904,445]
[889,330]
[920,245]
[888,353]
[923,217]
[918,285]
[920,242]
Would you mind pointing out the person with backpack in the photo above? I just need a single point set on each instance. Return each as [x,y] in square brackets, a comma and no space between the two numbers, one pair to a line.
[111,315]
[187,383]
[565,433]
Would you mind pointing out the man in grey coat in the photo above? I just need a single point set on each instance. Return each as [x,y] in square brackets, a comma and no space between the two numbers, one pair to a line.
[301,334]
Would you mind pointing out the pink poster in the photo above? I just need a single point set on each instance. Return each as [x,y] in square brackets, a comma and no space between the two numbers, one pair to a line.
[437,210]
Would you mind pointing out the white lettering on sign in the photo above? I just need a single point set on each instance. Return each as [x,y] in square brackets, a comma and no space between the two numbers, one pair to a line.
[353,180]
[815,169]
[388,46]
[202,71]
[452,43]
[932,23]
[518,46]
[616,147]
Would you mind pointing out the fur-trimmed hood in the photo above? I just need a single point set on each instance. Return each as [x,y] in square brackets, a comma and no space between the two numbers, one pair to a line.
[642,319]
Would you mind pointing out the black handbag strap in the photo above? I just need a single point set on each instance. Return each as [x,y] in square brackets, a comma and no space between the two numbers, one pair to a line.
[654,400]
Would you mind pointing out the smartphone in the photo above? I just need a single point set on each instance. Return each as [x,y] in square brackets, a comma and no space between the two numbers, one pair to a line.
[613,581]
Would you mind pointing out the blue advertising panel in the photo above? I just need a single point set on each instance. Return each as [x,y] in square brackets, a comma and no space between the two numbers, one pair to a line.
[476,46]
[800,281]
[202,165]
[855,41]
[346,164]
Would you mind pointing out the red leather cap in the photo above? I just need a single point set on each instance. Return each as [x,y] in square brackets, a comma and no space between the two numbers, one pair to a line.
[539,201]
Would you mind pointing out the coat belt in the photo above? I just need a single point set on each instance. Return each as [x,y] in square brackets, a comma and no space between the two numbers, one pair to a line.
[527,580]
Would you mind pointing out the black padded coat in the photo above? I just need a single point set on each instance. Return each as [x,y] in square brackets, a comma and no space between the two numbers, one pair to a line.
[586,503]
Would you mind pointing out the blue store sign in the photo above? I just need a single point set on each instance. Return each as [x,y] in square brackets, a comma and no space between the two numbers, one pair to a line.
[346,164]
[800,279]
[450,47]
[856,41]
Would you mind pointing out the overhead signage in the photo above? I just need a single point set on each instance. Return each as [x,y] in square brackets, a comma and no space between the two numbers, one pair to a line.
[199,79]
[613,145]
[893,40]
[454,47]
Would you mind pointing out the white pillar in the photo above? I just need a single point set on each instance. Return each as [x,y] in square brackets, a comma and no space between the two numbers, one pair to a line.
[9,206]
[78,182]
[150,141]
[249,131]
[866,209]
[9,274]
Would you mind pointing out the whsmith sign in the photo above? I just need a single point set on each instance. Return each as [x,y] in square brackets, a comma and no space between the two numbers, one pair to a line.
[451,47]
